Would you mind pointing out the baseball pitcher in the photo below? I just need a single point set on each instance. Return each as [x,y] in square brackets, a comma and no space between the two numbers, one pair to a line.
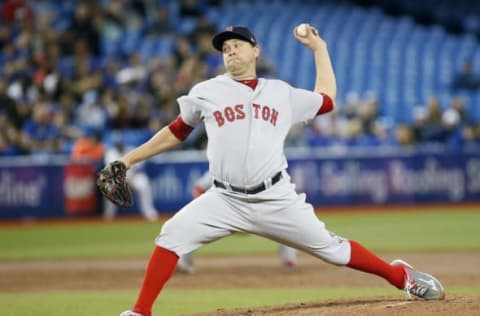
[247,119]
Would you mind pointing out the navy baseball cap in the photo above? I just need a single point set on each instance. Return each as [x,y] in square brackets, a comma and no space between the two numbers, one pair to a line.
[231,32]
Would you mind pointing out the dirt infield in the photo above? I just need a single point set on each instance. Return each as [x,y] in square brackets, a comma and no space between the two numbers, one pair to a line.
[380,306]
[454,269]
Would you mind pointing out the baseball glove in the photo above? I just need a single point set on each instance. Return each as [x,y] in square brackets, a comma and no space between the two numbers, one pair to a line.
[112,182]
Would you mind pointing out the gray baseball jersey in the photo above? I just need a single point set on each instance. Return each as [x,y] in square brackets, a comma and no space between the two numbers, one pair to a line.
[246,130]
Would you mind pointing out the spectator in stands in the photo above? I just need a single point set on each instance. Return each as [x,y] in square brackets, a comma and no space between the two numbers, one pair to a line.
[466,79]
[6,148]
[203,27]
[85,75]
[213,3]
[111,21]
[67,132]
[9,106]
[83,28]
[122,114]
[23,44]
[91,113]
[138,8]
[15,10]
[190,8]
[5,35]
[49,58]
[39,134]
[471,137]
[316,134]
[367,112]
[419,118]
[160,89]
[192,71]
[66,104]
[352,102]
[10,143]
[355,135]
[13,115]
[134,72]
[182,50]
[404,136]
[432,130]
[116,112]
[468,137]
[141,114]
[160,24]
[89,147]
[452,129]
[476,130]
[459,106]
[207,54]
[382,132]
[154,125]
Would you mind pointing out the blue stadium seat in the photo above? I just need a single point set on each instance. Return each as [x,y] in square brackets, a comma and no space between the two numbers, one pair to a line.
[131,38]
[147,48]
[164,46]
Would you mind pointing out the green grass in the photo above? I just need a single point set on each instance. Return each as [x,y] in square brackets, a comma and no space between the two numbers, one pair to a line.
[179,302]
[442,230]
[71,240]
[413,231]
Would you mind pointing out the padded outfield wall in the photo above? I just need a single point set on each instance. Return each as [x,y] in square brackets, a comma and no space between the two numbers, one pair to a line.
[56,187]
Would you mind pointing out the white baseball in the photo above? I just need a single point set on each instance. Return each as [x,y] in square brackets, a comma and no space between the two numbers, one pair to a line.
[302,30]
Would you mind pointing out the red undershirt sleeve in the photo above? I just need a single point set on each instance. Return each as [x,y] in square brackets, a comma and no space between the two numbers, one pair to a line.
[327,105]
[179,128]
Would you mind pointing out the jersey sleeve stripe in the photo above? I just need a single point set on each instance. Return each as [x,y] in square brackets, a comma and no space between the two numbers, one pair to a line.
[179,128]
[327,105]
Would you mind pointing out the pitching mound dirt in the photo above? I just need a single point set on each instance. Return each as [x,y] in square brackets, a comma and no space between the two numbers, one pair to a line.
[454,269]
[453,305]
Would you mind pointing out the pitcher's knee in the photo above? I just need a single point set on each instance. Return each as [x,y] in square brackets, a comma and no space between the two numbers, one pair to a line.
[336,252]
[175,238]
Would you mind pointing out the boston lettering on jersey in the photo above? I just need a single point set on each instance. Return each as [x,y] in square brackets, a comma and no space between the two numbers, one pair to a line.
[232,113]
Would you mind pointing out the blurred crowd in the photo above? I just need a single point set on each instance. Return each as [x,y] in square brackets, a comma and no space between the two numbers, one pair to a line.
[359,123]
[63,91]
[57,84]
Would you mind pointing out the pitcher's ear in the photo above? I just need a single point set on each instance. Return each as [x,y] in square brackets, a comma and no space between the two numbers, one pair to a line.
[258,51]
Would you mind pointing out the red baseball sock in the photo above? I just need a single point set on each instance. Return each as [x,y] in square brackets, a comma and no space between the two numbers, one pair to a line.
[364,260]
[159,270]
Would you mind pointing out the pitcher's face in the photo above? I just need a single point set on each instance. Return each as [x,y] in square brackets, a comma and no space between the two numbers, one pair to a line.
[239,57]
